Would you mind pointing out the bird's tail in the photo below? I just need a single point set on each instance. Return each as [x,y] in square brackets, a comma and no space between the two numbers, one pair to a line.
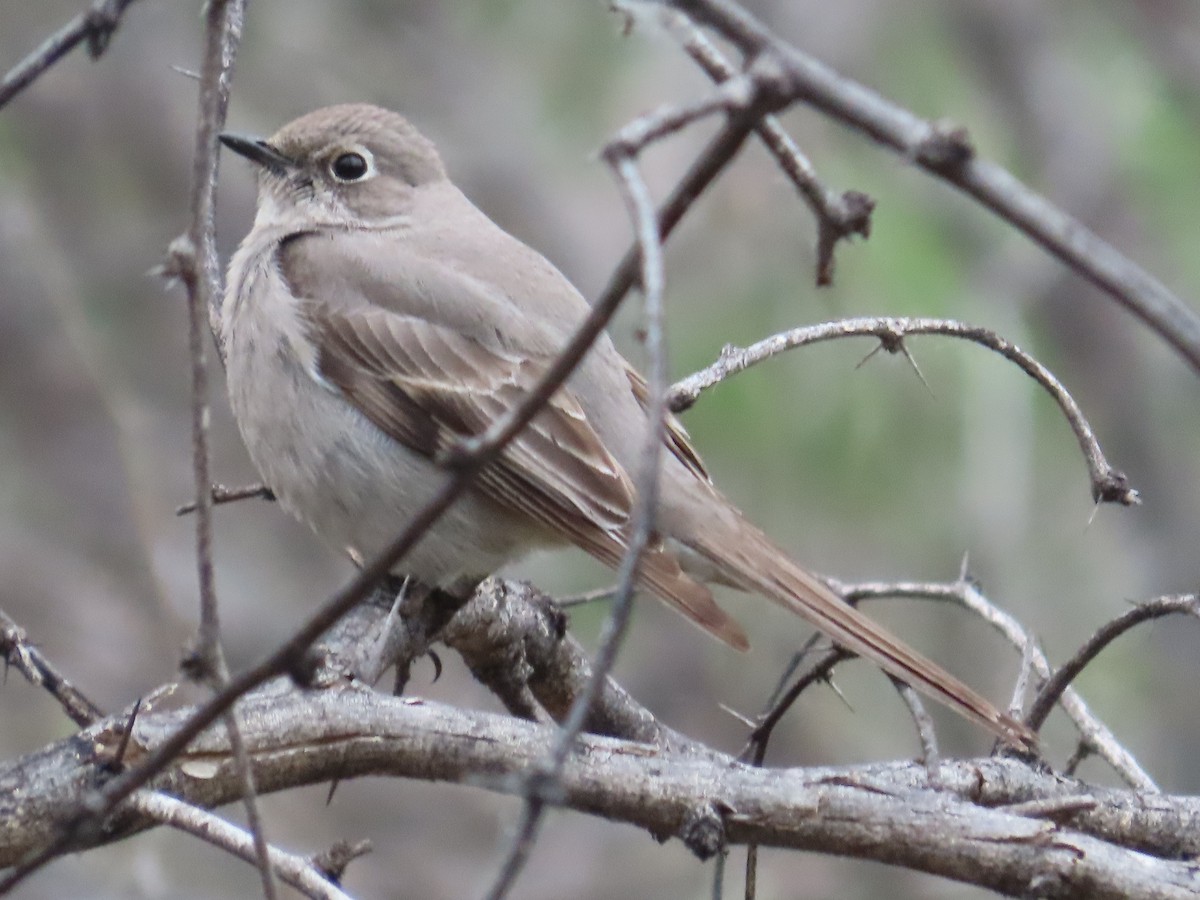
[755,563]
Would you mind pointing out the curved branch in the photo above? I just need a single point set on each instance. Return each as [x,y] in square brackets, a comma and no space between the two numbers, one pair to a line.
[1053,689]
[291,869]
[1096,734]
[1109,485]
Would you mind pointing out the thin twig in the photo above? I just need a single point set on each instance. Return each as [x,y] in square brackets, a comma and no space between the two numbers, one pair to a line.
[1053,689]
[925,731]
[710,163]
[17,651]
[193,260]
[965,593]
[755,750]
[94,26]
[541,785]
[946,153]
[1108,484]
[583,599]
[297,871]
[221,494]
[838,216]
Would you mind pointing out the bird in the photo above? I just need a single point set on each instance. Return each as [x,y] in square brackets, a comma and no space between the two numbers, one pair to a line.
[374,318]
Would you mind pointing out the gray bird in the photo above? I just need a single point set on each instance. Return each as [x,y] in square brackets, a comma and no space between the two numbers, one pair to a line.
[374,317]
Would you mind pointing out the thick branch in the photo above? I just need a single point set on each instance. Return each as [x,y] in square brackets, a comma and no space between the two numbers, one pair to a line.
[1116,844]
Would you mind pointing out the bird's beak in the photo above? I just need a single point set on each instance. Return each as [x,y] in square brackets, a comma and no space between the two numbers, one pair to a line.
[258,152]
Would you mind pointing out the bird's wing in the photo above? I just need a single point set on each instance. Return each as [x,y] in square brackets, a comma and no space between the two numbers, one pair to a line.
[428,386]
[679,442]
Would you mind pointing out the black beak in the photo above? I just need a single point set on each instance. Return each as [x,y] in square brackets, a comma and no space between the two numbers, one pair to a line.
[258,152]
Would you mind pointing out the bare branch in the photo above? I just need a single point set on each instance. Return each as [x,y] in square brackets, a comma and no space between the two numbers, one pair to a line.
[839,216]
[1053,689]
[38,670]
[946,153]
[964,592]
[193,260]
[509,630]
[1109,485]
[300,873]
[94,26]
[928,737]
[1126,844]
[621,155]
[221,494]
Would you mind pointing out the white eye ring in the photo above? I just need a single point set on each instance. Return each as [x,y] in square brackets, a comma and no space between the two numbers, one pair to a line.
[352,164]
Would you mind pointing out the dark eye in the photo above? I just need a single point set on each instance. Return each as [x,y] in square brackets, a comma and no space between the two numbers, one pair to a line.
[350,167]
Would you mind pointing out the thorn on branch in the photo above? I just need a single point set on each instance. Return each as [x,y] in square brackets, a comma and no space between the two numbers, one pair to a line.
[117,764]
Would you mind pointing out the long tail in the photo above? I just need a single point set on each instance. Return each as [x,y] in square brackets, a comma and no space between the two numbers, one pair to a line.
[752,560]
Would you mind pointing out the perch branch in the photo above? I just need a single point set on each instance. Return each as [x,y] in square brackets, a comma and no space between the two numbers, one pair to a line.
[1117,844]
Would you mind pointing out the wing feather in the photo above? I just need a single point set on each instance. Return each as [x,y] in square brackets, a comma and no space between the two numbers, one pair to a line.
[429,386]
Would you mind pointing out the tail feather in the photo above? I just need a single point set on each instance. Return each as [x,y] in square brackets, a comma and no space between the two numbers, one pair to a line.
[659,571]
[753,560]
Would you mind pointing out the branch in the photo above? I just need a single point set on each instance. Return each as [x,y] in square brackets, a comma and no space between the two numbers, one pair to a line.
[300,873]
[541,784]
[94,26]
[38,670]
[513,638]
[839,216]
[1115,844]
[1109,485]
[1094,732]
[221,494]
[1053,689]
[947,153]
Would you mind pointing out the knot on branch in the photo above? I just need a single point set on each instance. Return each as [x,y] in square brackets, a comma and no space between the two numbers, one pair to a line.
[332,863]
[1114,487]
[891,338]
[181,261]
[772,82]
[946,148]
[703,831]
[841,218]
[102,21]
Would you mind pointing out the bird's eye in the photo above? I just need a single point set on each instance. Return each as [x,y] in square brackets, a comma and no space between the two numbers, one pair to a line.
[350,167]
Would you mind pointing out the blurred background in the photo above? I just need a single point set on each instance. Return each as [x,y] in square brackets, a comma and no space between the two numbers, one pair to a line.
[865,473]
